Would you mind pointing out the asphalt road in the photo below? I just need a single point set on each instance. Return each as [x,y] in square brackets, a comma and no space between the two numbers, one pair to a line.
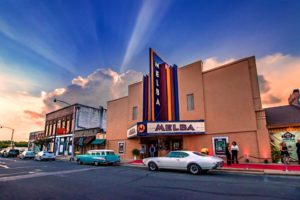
[27,179]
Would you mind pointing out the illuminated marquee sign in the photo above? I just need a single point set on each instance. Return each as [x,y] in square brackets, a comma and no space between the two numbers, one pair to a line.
[160,91]
[175,127]
[166,128]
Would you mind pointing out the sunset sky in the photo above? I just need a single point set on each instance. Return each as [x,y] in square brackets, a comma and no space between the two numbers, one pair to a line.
[89,51]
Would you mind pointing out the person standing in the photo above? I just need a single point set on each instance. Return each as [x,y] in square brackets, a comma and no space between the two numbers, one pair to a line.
[285,154]
[298,150]
[152,150]
[234,152]
[228,154]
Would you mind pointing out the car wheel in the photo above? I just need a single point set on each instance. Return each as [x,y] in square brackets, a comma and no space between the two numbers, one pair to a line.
[96,163]
[194,169]
[53,159]
[152,166]
[79,162]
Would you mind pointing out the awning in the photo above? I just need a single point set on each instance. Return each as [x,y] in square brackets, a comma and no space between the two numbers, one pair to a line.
[99,142]
[80,141]
[88,139]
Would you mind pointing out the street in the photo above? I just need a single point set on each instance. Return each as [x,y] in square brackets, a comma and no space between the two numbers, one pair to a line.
[28,179]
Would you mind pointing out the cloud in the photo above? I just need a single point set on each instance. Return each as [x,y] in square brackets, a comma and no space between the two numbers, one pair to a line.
[213,62]
[33,115]
[26,113]
[282,73]
[94,90]
[264,85]
[150,14]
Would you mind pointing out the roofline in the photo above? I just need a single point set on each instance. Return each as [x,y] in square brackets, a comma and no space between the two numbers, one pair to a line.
[76,104]
[229,64]
[117,99]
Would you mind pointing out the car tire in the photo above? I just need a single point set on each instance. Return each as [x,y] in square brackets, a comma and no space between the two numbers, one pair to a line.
[152,166]
[79,162]
[194,169]
[96,163]
[53,159]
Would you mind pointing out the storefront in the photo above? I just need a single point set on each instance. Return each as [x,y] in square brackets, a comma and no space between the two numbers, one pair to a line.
[191,109]
[284,126]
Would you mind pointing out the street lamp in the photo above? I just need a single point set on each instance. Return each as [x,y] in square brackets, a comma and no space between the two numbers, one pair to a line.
[74,126]
[12,135]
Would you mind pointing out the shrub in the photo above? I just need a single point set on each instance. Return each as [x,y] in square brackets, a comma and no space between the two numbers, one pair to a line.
[135,152]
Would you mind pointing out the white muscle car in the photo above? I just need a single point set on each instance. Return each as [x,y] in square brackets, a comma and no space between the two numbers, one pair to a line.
[192,161]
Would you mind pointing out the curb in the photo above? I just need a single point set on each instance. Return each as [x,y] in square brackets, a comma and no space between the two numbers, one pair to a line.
[236,171]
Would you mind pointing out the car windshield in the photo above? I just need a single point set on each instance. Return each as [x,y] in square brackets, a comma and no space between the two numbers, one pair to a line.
[199,154]
[110,153]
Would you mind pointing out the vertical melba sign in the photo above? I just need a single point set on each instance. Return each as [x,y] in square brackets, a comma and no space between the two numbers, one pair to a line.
[160,91]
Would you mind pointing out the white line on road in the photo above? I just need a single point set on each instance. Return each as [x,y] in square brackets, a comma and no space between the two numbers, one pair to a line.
[26,176]
[4,166]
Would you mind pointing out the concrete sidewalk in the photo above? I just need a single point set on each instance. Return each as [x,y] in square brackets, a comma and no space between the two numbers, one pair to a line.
[233,170]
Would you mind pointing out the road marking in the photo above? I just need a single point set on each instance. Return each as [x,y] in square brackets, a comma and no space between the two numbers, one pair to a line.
[4,166]
[34,175]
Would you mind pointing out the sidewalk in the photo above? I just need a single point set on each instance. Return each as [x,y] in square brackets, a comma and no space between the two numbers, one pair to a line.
[244,168]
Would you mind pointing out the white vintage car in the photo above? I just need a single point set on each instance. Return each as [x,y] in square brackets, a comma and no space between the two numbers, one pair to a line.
[192,161]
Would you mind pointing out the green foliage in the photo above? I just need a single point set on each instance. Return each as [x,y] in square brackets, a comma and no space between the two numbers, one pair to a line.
[276,154]
[42,141]
[4,144]
[21,144]
[135,152]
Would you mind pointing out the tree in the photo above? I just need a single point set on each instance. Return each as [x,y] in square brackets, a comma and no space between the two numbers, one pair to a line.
[42,142]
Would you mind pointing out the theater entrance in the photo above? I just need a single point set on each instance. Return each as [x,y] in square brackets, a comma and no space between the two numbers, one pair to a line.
[163,145]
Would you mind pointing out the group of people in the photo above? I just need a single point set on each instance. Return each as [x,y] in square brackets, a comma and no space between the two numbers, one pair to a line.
[232,153]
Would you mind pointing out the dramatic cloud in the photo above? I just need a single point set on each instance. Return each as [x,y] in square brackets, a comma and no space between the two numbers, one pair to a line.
[26,113]
[264,85]
[282,74]
[94,90]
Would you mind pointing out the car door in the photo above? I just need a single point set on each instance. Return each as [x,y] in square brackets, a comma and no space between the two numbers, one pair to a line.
[170,160]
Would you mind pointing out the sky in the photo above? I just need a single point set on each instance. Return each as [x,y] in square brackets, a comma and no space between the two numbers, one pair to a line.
[89,51]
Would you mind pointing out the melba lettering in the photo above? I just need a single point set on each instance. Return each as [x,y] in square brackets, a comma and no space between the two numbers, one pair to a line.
[174,127]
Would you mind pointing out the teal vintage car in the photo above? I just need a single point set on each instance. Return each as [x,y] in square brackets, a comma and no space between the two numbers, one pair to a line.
[98,157]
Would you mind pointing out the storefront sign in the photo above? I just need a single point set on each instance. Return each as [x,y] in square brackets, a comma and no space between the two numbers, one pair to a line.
[132,132]
[219,145]
[176,127]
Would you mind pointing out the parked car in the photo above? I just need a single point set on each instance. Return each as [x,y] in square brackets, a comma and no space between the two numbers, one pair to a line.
[193,162]
[27,154]
[44,155]
[98,157]
[11,153]
[2,152]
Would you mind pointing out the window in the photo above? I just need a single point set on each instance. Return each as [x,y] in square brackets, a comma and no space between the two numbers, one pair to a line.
[98,154]
[110,153]
[183,155]
[173,154]
[134,113]
[68,126]
[190,102]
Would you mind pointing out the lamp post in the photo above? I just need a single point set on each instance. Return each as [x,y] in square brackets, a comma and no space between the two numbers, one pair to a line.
[74,126]
[12,135]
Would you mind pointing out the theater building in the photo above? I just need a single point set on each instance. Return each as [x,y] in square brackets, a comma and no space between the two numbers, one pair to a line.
[190,109]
